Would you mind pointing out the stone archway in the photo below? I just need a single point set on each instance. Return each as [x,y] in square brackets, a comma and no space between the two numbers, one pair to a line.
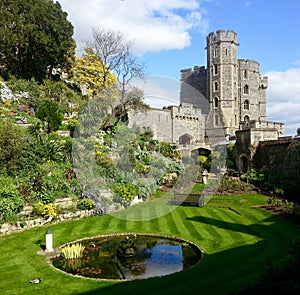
[244,164]
[185,139]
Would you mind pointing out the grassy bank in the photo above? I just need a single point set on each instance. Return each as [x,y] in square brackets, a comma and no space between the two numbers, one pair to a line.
[237,241]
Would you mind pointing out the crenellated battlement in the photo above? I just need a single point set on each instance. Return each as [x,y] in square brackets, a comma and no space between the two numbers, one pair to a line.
[198,71]
[222,36]
[249,64]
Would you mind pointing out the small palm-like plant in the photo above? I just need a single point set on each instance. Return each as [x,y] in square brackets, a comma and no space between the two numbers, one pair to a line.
[73,251]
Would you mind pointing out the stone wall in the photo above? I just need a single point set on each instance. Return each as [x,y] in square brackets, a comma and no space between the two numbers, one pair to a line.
[172,124]
[7,228]
[278,159]
[158,120]
[279,156]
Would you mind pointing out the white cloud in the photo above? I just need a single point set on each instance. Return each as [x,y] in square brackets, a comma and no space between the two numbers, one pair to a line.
[153,25]
[283,98]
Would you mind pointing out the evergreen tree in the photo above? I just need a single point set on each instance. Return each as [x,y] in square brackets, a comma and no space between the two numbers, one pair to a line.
[49,113]
[35,37]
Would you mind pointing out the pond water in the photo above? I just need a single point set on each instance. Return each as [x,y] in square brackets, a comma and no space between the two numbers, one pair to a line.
[130,257]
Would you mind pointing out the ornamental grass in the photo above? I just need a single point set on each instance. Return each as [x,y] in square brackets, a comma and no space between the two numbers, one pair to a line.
[72,251]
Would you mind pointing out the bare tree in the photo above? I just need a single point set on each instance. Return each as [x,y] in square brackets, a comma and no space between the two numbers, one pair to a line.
[115,51]
[116,54]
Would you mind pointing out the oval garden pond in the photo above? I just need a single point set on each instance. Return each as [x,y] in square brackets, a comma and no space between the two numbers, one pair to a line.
[128,256]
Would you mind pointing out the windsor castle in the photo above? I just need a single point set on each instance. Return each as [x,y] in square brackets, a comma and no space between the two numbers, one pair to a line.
[217,101]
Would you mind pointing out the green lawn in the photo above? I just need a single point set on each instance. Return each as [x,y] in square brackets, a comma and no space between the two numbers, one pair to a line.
[237,241]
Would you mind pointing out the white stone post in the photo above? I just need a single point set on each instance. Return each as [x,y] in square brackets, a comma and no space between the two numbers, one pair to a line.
[49,244]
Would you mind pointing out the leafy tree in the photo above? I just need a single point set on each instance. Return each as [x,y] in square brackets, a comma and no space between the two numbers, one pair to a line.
[50,114]
[35,37]
[59,91]
[90,72]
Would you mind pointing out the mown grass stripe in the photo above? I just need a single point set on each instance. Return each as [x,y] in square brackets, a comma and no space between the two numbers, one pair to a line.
[184,214]
[204,218]
[170,223]
[154,225]
[232,231]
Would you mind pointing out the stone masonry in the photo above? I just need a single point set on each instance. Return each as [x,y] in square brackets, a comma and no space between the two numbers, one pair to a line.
[227,95]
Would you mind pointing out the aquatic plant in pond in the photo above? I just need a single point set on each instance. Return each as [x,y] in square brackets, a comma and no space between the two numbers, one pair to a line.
[73,251]
[131,256]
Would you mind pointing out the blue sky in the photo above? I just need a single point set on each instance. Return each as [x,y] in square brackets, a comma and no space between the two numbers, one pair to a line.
[171,34]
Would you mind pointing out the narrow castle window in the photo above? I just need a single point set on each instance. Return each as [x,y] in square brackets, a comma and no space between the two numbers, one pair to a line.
[246,89]
[216,86]
[215,69]
[226,51]
[216,102]
[246,105]
[246,119]
[245,74]
[216,120]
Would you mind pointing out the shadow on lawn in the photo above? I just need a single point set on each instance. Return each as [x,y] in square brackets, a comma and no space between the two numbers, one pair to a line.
[224,272]
[258,230]
[41,244]
[220,273]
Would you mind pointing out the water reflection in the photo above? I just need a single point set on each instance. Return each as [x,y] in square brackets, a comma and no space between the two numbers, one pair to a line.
[131,257]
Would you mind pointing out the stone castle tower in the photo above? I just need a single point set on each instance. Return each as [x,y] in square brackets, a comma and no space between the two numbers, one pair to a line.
[233,87]
[227,95]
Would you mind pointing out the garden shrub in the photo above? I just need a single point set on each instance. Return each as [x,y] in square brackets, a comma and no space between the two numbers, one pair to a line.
[231,184]
[10,206]
[86,204]
[11,146]
[8,187]
[38,209]
[125,192]
[254,176]
[146,187]
[169,150]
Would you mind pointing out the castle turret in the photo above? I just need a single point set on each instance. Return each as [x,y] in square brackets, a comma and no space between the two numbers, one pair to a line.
[222,67]
[252,91]
[193,87]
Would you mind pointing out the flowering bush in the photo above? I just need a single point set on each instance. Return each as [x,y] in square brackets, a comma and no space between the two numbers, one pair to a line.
[7,95]
[169,179]
[48,210]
